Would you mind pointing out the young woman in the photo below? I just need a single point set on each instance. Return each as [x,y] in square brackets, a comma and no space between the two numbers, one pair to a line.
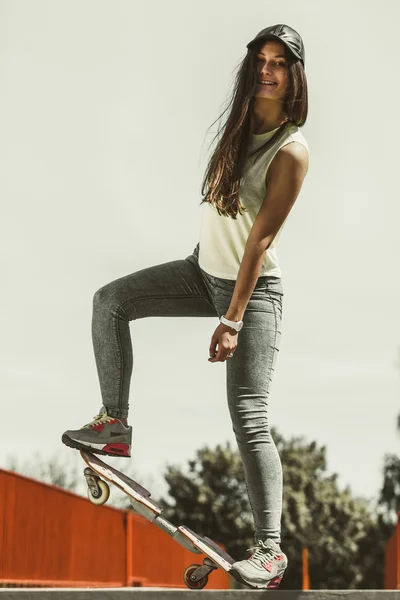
[251,183]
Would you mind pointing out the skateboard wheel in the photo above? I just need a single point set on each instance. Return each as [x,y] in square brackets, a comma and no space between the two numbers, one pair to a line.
[194,585]
[99,495]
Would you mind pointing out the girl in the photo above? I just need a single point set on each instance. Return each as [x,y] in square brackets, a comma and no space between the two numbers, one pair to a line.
[251,183]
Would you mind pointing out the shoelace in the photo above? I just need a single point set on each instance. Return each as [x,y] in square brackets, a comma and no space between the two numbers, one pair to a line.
[263,554]
[100,418]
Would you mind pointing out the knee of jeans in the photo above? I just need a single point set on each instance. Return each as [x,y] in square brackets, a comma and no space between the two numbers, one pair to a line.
[252,433]
[100,296]
[105,299]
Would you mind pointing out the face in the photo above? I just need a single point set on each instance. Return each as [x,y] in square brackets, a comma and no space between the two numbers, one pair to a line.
[271,65]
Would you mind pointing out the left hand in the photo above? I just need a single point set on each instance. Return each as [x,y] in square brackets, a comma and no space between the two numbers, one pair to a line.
[226,339]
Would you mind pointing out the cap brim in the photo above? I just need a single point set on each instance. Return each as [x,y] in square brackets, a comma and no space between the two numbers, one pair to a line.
[262,38]
[271,36]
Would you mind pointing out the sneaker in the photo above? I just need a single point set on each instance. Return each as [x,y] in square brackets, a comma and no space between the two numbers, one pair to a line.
[264,569]
[104,435]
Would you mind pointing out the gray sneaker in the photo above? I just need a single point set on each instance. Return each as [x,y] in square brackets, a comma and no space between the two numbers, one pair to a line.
[264,569]
[104,435]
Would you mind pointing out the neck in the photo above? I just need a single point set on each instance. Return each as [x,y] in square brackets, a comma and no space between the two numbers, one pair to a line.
[266,116]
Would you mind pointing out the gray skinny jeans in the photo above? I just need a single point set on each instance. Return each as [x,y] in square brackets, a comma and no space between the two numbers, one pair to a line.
[180,288]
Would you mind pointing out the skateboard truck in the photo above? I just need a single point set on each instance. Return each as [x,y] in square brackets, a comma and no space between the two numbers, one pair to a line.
[196,576]
[98,490]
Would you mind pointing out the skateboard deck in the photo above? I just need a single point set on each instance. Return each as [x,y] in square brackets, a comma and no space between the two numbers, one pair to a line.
[209,548]
[195,576]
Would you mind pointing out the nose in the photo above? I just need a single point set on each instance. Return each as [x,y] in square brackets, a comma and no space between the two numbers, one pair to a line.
[266,69]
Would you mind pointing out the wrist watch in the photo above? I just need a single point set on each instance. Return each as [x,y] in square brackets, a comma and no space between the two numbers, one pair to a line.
[236,325]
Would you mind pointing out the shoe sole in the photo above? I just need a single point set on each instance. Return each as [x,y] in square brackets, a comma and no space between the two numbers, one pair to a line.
[271,584]
[75,444]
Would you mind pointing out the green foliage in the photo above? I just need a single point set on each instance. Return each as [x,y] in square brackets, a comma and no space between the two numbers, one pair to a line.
[345,538]
[318,515]
[389,497]
[211,499]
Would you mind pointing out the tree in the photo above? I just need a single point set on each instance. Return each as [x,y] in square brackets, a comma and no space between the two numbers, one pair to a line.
[211,499]
[389,496]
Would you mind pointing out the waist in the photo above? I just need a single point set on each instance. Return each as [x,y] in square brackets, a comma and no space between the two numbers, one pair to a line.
[274,284]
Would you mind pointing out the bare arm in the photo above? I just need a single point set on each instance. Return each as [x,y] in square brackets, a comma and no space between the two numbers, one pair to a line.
[286,174]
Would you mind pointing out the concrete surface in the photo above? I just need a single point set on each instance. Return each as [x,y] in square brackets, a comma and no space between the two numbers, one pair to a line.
[183,594]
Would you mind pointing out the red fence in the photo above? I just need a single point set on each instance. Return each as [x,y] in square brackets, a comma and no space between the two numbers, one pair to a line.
[392,560]
[52,537]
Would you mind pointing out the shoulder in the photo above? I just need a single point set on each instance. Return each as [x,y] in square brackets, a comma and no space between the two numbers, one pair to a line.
[293,157]
[294,151]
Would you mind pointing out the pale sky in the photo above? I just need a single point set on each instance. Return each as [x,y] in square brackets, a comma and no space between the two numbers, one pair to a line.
[104,113]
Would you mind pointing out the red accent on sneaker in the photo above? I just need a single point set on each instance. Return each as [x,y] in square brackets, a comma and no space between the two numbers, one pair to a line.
[274,583]
[278,558]
[117,449]
[100,426]
[268,567]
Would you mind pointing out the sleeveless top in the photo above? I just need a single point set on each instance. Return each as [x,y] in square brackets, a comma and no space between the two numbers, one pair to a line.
[223,239]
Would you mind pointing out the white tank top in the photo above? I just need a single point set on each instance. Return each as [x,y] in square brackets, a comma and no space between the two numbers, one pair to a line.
[223,239]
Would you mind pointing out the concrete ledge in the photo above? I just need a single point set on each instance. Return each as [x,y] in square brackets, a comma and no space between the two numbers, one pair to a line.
[182,594]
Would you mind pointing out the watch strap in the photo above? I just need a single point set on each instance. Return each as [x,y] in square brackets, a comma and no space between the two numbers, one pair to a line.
[236,325]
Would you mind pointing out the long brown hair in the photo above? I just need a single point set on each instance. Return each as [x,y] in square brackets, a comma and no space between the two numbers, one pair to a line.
[225,168]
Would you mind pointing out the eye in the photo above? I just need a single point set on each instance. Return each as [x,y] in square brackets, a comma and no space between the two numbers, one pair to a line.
[278,63]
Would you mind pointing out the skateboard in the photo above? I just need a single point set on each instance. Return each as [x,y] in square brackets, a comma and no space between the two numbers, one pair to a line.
[97,473]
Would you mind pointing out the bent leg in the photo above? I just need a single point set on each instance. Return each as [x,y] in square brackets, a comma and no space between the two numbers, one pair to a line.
[171,289]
